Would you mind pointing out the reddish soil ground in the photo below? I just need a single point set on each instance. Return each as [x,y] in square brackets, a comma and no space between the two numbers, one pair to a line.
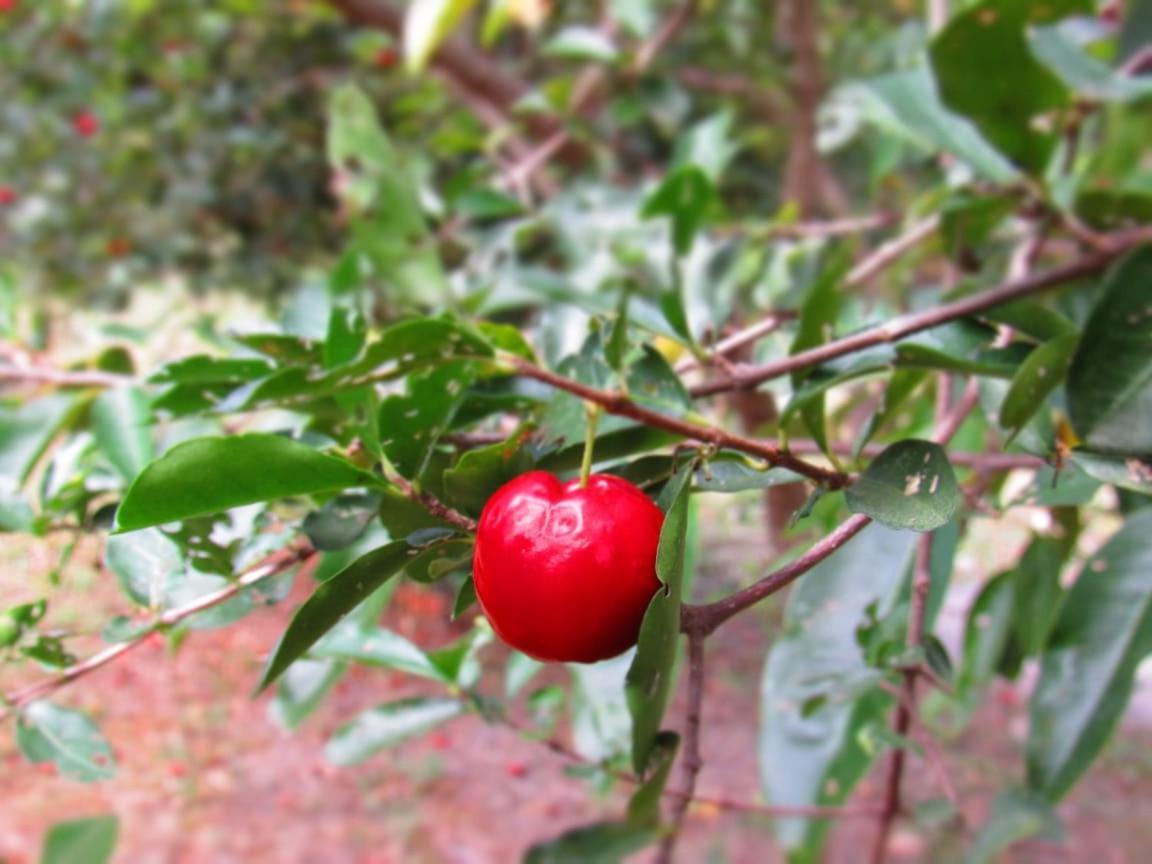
[207,776]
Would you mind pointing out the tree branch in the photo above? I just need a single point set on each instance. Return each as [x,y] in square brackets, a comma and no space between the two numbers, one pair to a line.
[741,377]
[64,378]
[701,621]
[619,404]
[691,761]
[273,565]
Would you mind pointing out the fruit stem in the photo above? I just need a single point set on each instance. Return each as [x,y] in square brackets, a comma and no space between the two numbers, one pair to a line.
[592,412]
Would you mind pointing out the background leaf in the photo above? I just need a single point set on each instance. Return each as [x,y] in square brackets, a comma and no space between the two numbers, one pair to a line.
[910,485]
[66,738]
[81,841]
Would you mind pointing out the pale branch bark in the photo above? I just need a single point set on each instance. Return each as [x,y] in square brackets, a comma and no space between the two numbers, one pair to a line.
[667,33]
[807,179]
[701,621]
[889,253]
[275,564]
[906,325]
[802,230]
[63,377]
[615,402]
[691,761]
[730,344]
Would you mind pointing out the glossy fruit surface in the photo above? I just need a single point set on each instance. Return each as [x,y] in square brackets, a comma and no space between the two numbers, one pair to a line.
[565,573]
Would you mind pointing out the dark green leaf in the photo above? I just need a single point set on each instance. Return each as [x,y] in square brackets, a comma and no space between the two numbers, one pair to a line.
[1110,381]
[67,738]
[651,675]
[347,330]
[334,599]
[644,806]
[341,522]
[685,196]
[81,841]
[969,57]
[480,472]
[1039,375]
[600,843]
[207,475]
[411,424]
[910,485]
[1087,671]
[387,725]
[203,369]
[816,758]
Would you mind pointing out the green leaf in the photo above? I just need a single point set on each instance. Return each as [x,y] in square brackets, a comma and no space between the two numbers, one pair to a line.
[27,430]
[729,471]
[67,738]
[207,475]
[302,688]
[341,521]
[387,725]
[379,189]
[906,104]
[599,843]
[480,472]
[650,678]
[1127,473]
[81,841]
[347,331]
[644,806]
[411,424]
[203,369]
[987,632]
[1087,671]
[334,599]
[1110,381]
[902,384]
[121,423]
[148,565]
[376,646]
[581,43]
[1039,375]
[815,757]
[684,196]
[1038,595]
[910,485]
[969,57]
[1056,47]
[1016,815]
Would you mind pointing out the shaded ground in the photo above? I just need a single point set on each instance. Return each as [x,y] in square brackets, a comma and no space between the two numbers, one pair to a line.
[206,776]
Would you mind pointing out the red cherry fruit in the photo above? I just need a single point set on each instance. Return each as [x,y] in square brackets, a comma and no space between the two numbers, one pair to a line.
[566,573]
[7,195]
[85,123]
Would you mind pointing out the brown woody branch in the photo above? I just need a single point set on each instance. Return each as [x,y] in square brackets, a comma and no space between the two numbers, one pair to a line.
[615,402]
[691,761]
[741,377]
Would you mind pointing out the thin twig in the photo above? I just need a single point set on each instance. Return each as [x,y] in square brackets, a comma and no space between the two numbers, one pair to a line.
[730,344]
[275,564]
[801,230]
[65,378]
[902,719]
[703,620]
[433,505]
[741,377]
[691,761]
[889,253]
[617,403]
